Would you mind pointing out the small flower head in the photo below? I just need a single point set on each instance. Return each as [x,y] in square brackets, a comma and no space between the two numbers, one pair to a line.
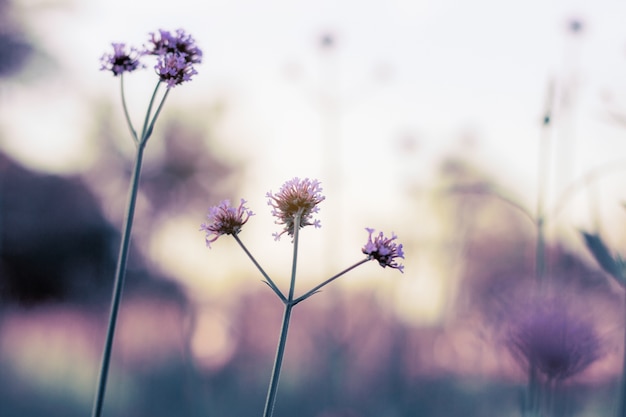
[176,55]
[173,69]
[225,219]
[384,250]
[296,198]
[552,340]
[122,59]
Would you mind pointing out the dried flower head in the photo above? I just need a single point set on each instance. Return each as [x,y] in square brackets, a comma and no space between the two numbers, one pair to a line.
[552,340]
[225,219]
[384,250]
[296,198]
[176,55]
[122,59]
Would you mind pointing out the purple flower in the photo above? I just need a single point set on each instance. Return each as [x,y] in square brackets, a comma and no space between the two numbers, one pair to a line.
[384,250]
[173,69]
[225,219]
[176,54]
[550,339]
[121,60]
[296,197]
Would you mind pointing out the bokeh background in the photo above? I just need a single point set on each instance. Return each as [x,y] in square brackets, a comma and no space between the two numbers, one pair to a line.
[410,112]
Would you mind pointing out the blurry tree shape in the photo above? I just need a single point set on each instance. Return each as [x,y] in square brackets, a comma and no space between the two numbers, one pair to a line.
[183,171]
[189,174]
[14,48]
[55,243]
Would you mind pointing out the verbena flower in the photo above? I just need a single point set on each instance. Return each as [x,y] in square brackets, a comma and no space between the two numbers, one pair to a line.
[225,219]
[550,339]
[122,59]
[384,250]
[176,55]
[296,197]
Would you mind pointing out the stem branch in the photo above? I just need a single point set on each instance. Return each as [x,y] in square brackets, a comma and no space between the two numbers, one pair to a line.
[120,273]
[282,341]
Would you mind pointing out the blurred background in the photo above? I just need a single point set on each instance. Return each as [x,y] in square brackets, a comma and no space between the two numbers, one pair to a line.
[413,114]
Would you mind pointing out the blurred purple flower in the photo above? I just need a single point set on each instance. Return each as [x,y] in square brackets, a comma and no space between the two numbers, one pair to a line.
[122,59]
[176,54]
[384,250]
[550,339]
[225,219]
[296,197]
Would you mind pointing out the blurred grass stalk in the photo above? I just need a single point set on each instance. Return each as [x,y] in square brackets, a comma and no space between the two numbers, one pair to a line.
[120,272]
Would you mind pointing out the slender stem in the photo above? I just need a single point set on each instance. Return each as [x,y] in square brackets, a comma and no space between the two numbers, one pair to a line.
[294,262]
[148,131]
[280,353]
[118,283]
[540,252]
[543,175]
[128,121]
[585,181]
[622,398]
[540,263]
[149,111]
[268,280]
[328,281]
[482,189]
[282,341]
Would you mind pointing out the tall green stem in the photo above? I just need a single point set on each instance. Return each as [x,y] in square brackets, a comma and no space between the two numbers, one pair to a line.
[120,273]
[280,353]
[622,398]
[282,341]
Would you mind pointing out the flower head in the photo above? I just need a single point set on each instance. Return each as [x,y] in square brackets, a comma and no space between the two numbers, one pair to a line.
[550,339]
[122,59]
[296,198]
[384,250]
[176,54]
[225,219]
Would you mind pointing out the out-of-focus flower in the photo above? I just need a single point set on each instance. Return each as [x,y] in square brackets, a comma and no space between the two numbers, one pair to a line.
[552,340]
[384,250]
[225,219]
[296,197]
[176,55]
[123,59]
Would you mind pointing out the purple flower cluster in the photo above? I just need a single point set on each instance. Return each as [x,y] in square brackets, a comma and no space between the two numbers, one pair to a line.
[299,198]
[225,219]
[552,340]
[122,59]
[384,250]
[175,54]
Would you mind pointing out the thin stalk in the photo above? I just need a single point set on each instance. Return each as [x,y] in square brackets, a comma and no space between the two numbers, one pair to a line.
[543,177]
[542,174]
[149,111]
[126,114]
[282,341]
[328,281]
[280,353]
[621,412]
[268,280]
[120,273]
[148,131]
